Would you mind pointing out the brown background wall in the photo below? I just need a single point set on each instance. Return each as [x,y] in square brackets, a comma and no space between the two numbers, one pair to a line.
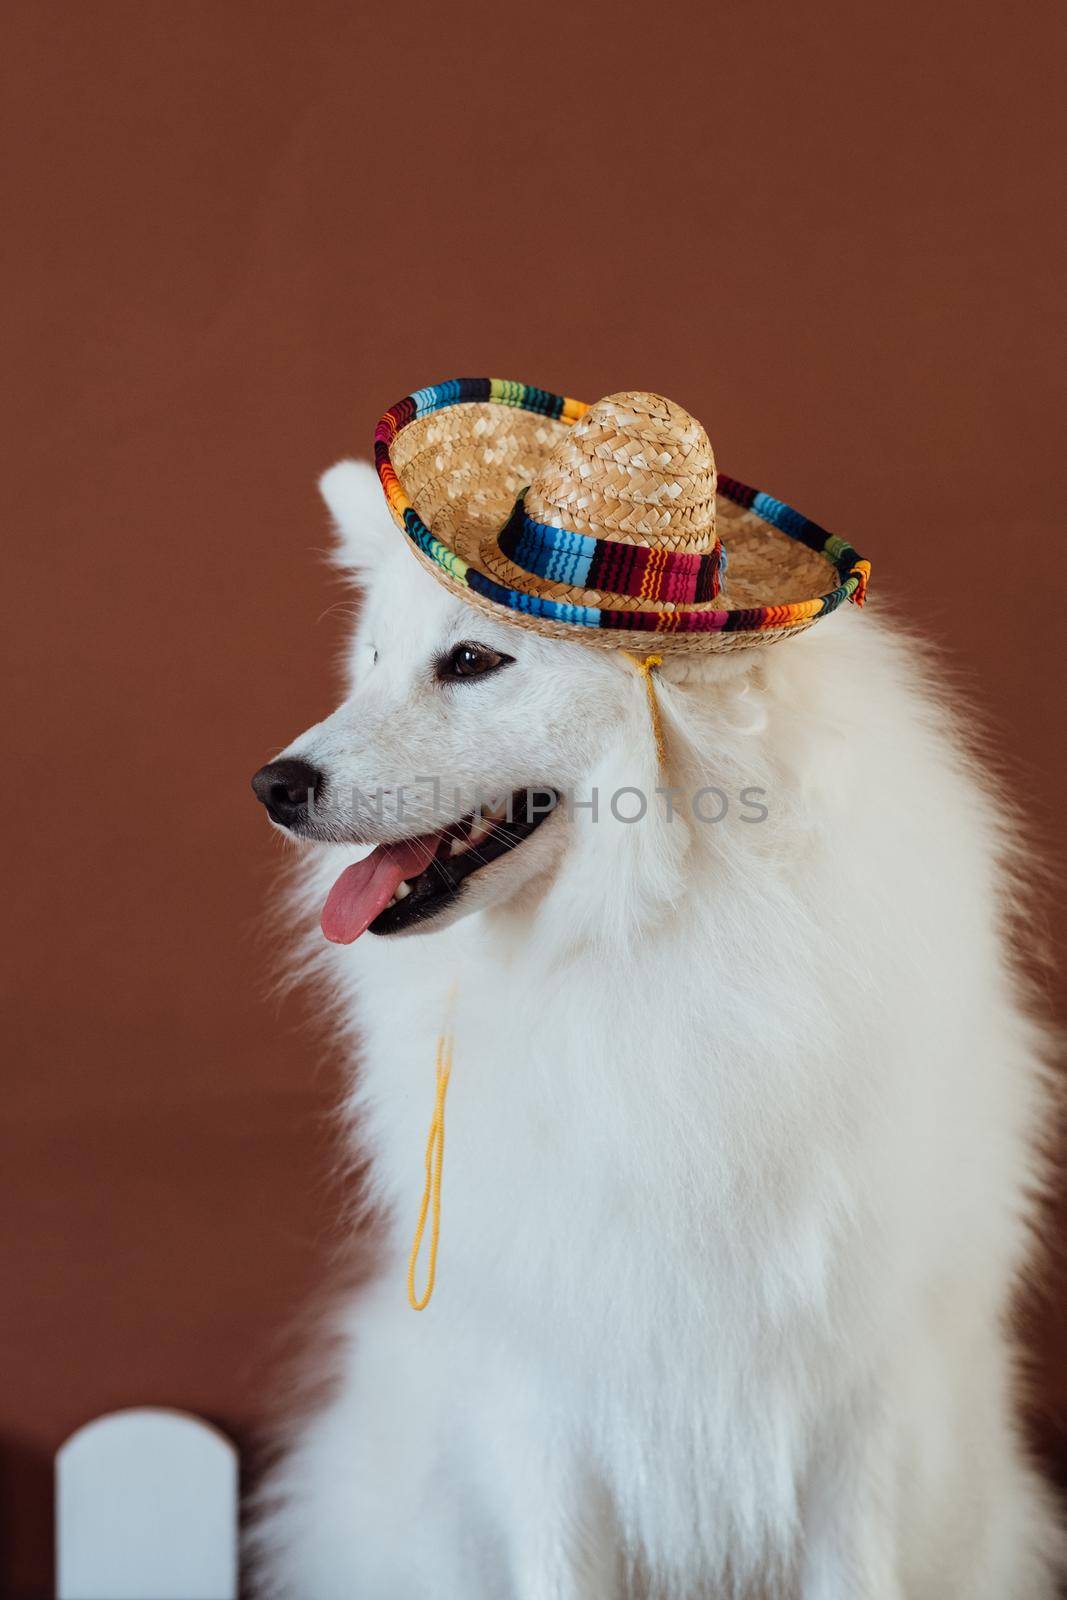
[243,231]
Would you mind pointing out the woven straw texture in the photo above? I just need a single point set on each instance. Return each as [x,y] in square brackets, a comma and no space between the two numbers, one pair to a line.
[636,468]
[520,500]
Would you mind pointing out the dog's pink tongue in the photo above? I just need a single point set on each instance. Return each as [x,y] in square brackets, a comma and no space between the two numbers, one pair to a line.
[367,887]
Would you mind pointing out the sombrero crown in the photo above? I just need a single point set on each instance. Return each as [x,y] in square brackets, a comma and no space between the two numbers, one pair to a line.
[601,523]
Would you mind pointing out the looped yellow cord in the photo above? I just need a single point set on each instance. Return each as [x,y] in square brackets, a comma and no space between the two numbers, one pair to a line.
[431,1194]
[643,666]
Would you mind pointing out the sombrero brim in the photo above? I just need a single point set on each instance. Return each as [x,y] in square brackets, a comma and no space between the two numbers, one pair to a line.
[452,460]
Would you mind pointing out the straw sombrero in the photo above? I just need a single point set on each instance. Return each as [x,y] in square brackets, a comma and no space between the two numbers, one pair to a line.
[602,523]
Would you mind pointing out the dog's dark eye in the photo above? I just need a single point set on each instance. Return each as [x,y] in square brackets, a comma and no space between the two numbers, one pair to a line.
[469,660]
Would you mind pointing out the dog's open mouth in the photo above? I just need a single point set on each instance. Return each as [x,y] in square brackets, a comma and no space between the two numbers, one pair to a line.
[398,885]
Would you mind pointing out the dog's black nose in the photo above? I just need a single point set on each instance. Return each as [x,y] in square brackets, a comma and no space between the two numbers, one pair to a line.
[287,788]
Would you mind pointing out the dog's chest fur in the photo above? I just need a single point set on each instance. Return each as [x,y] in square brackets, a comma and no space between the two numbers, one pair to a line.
[645,1220]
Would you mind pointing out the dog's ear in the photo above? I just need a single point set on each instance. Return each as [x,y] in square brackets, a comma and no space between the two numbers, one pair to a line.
[363,527]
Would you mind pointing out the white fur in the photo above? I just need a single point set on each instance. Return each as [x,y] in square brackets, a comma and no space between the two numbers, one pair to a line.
[741,1141]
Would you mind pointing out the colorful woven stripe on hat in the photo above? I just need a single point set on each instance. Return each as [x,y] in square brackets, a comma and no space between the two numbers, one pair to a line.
[852,570]
[632,569]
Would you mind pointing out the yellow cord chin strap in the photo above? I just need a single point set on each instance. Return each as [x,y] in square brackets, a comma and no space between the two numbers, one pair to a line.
[430,1204]
[644,666]
[431,1194]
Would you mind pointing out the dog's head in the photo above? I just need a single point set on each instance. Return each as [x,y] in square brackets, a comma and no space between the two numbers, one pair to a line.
[457,740]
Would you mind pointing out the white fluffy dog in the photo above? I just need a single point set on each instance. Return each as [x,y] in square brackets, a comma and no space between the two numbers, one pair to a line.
[742,1128]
